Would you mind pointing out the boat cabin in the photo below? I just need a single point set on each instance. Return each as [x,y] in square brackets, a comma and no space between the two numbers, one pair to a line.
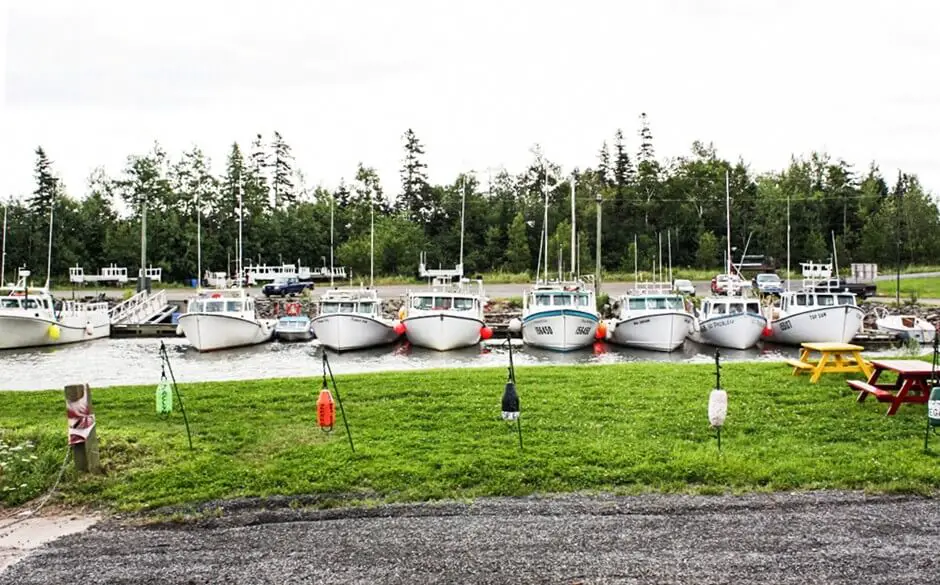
[638,303]
[355,306]
[441,301]
[22,302]
[803,301]
[717,307]
[220,304]
[559,298]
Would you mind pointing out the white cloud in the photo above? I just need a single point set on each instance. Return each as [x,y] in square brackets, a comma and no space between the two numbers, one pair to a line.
[479,83]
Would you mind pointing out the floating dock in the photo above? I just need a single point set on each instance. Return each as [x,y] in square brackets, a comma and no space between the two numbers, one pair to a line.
[144,330]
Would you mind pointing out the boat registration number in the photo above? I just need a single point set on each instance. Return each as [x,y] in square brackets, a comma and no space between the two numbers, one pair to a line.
[543,330]
[582,331]
[785,325]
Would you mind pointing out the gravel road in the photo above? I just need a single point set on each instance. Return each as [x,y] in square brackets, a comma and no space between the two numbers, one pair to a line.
[821,537]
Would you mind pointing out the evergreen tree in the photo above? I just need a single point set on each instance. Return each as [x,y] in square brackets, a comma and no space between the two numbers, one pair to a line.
[46,185]
[604,170]
[648,171]
[414,181]
[518,257]
[623,167]
[282,184]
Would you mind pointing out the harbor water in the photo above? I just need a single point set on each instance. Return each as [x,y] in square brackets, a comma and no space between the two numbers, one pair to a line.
[114,362]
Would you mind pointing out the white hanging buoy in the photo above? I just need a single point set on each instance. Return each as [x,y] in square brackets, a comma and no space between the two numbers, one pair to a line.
[515,325]
[717,407]
[89,330]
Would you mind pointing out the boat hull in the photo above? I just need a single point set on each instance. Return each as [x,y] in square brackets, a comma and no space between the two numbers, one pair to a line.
[18,331]
[659,332]
[207,332]
[560,330]
[442,332]
[837,324]
[294,335]
[923,333]
[348,332]
[736,331]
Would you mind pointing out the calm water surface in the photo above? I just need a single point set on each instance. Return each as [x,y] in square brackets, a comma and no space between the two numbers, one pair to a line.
[110,362]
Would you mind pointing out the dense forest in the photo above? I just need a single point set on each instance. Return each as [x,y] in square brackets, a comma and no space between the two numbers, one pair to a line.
[641,195]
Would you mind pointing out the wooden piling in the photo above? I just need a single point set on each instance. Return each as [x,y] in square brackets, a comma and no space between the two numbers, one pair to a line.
[80,411]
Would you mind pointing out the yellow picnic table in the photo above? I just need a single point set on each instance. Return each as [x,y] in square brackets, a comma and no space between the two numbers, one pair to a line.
[834,357]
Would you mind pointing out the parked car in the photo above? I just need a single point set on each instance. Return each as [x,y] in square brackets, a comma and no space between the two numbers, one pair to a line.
[768,284]
[683,286]
[285,286]
[722,282]
[862,290]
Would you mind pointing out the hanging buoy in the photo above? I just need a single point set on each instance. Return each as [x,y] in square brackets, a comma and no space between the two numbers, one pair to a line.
[515,325]
[601,332]
[164,397]
[54,332]
[179,330]
[717,407]
[399,328]
[768,331]
[326,411]
[89,330]
[402,313]
[486,332]
[510,402]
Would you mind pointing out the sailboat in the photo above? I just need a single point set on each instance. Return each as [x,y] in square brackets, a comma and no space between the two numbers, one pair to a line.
[31,317]
[651,316]
[560,315]
[729,320]
[224,318]
[448,315]
[353,319]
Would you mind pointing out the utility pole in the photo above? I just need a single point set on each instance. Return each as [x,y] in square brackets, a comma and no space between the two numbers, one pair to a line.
[573,228]
[3,256]
[141,278]
[897,223]
[597,249]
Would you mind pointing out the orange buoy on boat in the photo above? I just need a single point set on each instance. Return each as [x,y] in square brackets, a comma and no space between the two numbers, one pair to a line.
[399,328]
[601,332]
[326,411]
[486,332]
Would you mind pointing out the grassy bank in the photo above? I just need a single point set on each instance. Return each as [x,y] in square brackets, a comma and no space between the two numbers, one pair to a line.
[435,434]
[916,288]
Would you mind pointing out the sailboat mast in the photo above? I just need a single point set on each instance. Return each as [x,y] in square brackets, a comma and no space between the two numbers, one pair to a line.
[573,220]
[3,255]
[49,254]
[728,219]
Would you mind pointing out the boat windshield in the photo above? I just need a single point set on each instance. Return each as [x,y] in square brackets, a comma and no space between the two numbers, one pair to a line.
[233,306]
[846,300]
[9,303]
[347,307]
[367,308]
[442,303]
[656,303]
[463,304]
[326,308]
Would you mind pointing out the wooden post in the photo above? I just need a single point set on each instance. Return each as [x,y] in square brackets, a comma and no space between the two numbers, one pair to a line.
[81,421]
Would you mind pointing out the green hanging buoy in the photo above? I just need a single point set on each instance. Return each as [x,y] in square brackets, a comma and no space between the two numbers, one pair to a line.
[164,397]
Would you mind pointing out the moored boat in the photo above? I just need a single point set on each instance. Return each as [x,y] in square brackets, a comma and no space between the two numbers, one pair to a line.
[561,316]
[224,319]
[349,320]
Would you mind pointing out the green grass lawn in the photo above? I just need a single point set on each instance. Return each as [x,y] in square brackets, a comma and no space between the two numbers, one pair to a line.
[438,434]
[921,288]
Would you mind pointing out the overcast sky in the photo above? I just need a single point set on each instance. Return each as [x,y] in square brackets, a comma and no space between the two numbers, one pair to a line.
[93,81]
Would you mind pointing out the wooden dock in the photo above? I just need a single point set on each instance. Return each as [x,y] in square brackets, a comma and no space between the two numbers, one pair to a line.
[144,330]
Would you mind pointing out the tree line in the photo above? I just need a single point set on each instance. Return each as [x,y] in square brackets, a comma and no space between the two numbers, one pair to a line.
[680,200]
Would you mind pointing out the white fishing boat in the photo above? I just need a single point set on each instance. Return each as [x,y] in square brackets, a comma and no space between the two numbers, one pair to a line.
[349,320]
[353,320]
[650,317]
[560,315]
[729,320]
[224,319]
[905,326]
[31,317]
[448,316]
[293,325]
[813,314]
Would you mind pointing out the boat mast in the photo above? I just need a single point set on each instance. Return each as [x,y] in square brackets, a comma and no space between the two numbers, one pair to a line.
[660,256]
[669,247]
[372,241]
[240,211]
[788,242]
[49,254]
[3,255]
[573,220]
[545,223]
[636,265]
[198,243]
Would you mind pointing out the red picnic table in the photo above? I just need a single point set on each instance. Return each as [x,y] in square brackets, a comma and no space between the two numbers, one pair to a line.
[914,379]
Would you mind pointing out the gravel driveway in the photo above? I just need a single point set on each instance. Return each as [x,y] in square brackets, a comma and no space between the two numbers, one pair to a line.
[822,537]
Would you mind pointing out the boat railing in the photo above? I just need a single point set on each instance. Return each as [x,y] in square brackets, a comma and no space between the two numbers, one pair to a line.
[656,288]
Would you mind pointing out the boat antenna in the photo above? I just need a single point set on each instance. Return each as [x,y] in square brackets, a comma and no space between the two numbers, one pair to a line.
[788,241]
[3,255]
[669,247]
[198,243]
[728,220]
[835,254]
[372,239]
[573,220]
[332,199]
[545,222]
[241,276]
[49,252]
[636,265]
[660,256]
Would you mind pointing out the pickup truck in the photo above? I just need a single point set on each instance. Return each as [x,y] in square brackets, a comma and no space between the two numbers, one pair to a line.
[862,290]
[282,287]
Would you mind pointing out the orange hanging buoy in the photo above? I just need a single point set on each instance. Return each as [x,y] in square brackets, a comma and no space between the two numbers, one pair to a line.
[601,332]
[768,331]
[326,411]
[399,328]
[486,332]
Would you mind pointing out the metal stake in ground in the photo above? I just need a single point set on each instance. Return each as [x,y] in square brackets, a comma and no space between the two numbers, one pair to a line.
[165,358]
[717,401]
[510,401]
[933,402]
[327,368]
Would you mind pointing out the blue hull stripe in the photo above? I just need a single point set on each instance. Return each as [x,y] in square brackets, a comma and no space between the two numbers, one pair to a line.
[560,312]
